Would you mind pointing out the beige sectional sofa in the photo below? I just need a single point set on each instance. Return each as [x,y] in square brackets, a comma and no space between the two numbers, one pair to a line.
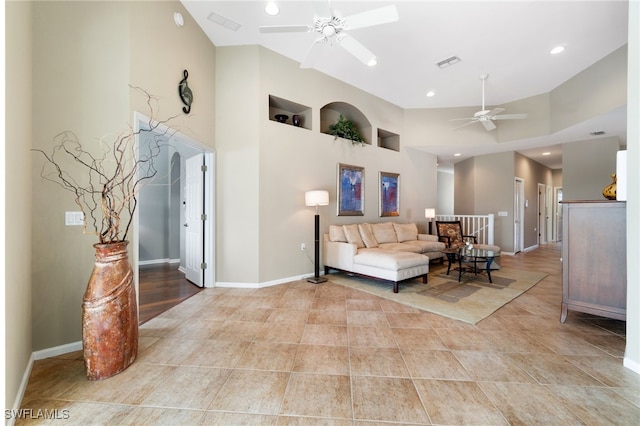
[388,250]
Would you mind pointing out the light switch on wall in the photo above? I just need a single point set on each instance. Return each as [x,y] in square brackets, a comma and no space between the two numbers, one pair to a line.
[73,218]
[503,214]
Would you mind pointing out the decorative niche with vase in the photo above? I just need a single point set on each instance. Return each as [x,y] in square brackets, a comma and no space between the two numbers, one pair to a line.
[104,186]
[287,112]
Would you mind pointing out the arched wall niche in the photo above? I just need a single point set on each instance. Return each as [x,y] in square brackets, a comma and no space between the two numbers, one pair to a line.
[330,113]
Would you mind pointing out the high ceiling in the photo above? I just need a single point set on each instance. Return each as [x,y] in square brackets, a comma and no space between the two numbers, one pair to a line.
[509,40]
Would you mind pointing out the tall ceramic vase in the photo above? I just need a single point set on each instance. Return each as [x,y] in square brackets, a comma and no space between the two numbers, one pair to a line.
[109,314]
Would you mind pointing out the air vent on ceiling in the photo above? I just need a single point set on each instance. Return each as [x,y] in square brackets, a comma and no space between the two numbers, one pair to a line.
[597,133]
[448,62]
[225,22]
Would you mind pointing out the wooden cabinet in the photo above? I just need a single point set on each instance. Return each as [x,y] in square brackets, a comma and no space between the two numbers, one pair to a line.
[594,258]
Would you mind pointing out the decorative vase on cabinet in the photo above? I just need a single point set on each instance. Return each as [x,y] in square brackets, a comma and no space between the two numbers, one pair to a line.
[609,191]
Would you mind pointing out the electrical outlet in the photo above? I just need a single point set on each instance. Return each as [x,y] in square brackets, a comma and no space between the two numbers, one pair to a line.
[73,218]
[303,246]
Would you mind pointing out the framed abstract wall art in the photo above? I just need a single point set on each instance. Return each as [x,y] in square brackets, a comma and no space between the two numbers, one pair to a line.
[350,190]
[389,188]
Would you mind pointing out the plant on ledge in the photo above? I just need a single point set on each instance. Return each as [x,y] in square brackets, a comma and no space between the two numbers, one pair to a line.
[346,129]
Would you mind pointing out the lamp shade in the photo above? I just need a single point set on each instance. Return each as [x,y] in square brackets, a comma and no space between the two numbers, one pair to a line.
[429,213]
[316,198]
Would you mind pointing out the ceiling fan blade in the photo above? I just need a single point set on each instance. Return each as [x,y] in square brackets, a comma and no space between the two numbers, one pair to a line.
[494,112]
[356,48]
[285,29]
[459,119]
[488,124]
[464,125]
[509,116]
[369,18]
[313,53]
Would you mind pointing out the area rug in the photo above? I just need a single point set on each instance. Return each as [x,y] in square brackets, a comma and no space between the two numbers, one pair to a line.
[470,301]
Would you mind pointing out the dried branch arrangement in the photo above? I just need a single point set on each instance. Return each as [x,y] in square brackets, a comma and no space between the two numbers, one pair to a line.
[106,179]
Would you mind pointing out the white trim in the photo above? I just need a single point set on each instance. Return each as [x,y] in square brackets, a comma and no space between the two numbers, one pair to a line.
[531,248]
[264,284]
[22,389]
[57,350]
[157,261]
[631,365]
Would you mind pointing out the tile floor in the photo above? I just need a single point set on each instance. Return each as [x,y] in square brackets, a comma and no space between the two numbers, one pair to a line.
[301,354]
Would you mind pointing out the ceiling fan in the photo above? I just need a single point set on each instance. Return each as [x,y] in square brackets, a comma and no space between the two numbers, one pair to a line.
[486,117]
[334,28]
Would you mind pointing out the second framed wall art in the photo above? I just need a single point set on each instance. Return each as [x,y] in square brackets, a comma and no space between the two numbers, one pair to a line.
[389,188]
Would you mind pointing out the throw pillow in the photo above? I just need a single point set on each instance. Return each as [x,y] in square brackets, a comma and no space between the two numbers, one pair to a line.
[384,232]
[336,233]
[406,231]
[353,235]
[367,235]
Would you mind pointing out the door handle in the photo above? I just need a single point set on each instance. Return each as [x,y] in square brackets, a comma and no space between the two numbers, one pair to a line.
[186,225]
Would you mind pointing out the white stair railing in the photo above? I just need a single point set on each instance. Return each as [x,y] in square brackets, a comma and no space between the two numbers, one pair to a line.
[480,226]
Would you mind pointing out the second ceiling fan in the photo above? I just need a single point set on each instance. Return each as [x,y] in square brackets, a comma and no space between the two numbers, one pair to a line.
[335,28]
[486,117]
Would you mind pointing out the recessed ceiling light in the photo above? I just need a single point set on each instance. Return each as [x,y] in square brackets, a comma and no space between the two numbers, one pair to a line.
[430,93]
[178,19]
[272,9]
[546,153]
[373,62]
[457,154]
[558,49]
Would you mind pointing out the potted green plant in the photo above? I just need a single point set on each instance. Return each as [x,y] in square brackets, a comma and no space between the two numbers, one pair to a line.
[346,129]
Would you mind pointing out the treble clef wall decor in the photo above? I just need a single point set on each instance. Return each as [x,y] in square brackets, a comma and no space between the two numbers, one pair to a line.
[185,93]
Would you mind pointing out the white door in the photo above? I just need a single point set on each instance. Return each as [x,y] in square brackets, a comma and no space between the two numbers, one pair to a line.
[518,209]
[542,220]
[194,219]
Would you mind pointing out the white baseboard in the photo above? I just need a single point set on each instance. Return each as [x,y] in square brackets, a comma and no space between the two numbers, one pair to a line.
[263,284]
[35,356]
[631,365]
[57,350]
[157,261]
[21,390]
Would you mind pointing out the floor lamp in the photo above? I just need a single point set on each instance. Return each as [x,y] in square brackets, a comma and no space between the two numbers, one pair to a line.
[430,214]
[317,198]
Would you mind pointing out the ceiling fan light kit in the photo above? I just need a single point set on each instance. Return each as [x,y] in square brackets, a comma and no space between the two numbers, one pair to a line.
[485,116]
[336,28]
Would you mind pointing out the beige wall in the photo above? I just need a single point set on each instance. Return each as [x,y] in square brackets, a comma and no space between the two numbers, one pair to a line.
[272,165]
[82,72]
[598,89]
[17,163]
[587,167]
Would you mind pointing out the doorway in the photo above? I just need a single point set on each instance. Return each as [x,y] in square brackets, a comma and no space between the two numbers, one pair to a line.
[160,237]
[542,214]
[518,215]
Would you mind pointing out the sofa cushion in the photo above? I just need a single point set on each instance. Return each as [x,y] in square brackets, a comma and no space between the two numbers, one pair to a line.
[367,235]
[384,232]
[353,235]
[390,260]
[406,231]
[408,247]
[336,233]
[425,246]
